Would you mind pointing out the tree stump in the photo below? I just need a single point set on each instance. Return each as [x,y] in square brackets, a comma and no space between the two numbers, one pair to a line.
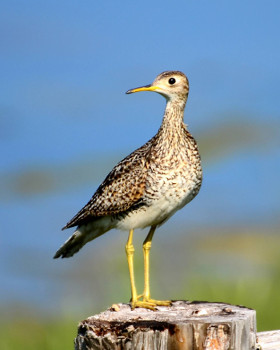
[184,325]
[268,340]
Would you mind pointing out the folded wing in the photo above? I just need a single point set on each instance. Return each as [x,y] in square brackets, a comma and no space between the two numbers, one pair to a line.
[123,188]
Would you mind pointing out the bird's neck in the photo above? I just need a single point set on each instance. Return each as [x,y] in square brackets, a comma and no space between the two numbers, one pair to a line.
[173,120]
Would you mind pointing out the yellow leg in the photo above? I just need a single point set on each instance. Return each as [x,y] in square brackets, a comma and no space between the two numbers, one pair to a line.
[129,254]
[146,250]
[147,244]
[135,302]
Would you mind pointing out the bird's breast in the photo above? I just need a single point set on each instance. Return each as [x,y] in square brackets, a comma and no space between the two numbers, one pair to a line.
[168,189]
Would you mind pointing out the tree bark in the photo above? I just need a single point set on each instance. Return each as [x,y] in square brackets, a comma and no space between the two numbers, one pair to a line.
[184,325]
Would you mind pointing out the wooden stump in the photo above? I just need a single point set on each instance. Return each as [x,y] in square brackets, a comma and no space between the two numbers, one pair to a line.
[184,325]
[268,340]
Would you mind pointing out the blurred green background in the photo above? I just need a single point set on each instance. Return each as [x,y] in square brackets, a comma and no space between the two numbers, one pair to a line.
[65,121]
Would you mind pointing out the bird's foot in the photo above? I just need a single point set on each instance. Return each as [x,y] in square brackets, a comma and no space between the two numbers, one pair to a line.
[148,303]
[159,302]
[144,304]
[140,296]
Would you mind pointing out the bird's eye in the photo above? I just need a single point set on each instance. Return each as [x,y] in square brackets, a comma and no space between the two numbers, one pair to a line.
[171,81]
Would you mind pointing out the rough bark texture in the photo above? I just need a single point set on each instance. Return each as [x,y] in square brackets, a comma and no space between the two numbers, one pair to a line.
[184,325]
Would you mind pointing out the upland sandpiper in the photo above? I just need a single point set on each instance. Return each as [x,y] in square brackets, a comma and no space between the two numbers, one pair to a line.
[147,187]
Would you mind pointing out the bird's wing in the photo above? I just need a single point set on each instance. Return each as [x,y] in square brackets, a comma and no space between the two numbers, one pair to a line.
[123,187]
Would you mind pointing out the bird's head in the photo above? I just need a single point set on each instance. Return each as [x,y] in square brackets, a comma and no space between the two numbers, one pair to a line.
[173,85]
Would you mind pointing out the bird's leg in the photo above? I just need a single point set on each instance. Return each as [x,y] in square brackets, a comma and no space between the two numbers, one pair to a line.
[135,302]
[129,248]
[146,250]
[147,244]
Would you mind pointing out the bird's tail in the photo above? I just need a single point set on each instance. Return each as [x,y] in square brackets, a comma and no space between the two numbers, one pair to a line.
[80,237]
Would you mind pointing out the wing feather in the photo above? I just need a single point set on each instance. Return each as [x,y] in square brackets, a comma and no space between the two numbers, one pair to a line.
[123,187]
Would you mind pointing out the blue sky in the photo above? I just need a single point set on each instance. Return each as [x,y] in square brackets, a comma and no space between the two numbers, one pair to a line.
[65,119]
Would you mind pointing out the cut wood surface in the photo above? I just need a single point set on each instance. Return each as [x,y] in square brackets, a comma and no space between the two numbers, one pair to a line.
[268,340]
[183,325]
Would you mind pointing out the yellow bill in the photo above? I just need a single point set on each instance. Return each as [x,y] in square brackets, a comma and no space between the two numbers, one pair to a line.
[143,88]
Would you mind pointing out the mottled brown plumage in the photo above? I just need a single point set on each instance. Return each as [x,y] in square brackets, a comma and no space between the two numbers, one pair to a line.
[122,188]
[149,185]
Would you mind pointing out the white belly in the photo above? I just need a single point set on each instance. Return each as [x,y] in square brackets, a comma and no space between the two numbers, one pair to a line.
[159,211]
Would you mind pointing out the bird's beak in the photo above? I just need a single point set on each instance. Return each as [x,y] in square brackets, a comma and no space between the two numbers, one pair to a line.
[143,88]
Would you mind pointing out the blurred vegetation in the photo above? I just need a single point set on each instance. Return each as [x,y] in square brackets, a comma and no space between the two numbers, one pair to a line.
[252,278]
[35,333]
[241,267]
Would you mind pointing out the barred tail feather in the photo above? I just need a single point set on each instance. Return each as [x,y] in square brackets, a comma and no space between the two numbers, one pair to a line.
[72,245]
[81,236]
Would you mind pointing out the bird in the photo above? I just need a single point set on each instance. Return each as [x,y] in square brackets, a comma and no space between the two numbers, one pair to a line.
[145,188]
